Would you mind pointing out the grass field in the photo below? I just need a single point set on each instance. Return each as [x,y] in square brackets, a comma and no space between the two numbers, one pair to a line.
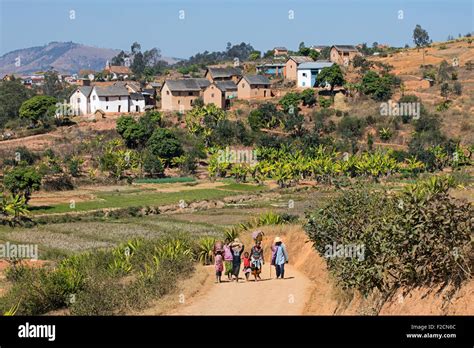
[147,197]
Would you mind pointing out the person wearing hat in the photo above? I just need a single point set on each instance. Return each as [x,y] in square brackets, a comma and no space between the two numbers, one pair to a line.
[279,257]
[237,249]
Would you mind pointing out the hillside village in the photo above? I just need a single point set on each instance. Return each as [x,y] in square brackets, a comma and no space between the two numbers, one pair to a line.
[219,84]
[327,143]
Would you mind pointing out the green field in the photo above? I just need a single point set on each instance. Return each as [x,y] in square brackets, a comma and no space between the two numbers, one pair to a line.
[143,197]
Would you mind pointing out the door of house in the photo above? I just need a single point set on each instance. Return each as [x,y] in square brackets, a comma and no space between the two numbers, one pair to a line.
[264,94]
[119,107]
[136,108]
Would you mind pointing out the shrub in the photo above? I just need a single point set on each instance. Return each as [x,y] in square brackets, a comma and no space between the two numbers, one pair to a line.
[165,145]
[405,239]
[60,182]
[324,102]
[457,88]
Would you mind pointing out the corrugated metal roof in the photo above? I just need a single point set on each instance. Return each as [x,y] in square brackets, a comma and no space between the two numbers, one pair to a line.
[315,65]
[183,85]
[346,48]
[111,91]
[257,79]
[301,59]
[226,86]
[224,72]
[137,96]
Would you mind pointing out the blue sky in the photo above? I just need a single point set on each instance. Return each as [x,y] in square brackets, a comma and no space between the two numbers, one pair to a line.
[210,24]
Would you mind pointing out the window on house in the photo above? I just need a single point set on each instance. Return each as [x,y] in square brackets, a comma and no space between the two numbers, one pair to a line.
[212,95]
[106,107]
[303,83]
[243,85]
[106,98]
[304,74]
[93,97]
[167,92]
[179,101]
[78,100]
[190,93]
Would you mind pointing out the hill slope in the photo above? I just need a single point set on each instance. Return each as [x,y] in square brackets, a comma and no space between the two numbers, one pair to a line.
[65,57]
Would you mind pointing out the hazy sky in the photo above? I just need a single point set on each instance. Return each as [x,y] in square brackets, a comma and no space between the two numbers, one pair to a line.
[210,24]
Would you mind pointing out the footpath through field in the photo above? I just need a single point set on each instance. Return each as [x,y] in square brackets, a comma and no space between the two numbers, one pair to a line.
[266,297]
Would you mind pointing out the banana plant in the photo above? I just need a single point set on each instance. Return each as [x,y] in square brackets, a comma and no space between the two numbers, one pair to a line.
[13,209]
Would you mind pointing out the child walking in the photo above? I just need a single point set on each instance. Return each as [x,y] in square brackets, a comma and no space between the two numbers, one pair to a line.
[219,265]
[247,268]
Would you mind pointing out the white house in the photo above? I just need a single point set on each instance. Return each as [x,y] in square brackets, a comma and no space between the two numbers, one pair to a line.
[307,73]
[109,99]
[79,100]
[137,102]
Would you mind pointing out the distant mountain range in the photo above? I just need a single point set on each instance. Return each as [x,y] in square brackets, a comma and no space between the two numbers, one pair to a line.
[64,57]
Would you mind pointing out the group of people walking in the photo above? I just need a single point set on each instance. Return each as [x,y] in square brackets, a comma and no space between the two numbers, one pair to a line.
[229,256]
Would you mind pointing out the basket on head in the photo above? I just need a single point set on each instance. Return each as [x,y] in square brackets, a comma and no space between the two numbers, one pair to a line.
[257,236]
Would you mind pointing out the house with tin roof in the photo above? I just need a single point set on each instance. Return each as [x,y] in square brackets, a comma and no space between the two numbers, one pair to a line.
[220,93]
[253,86]
[79,100]
[109,99]
[308,72]
[223,74]
[343,54]
[291,66]
[280,51]
[179,95]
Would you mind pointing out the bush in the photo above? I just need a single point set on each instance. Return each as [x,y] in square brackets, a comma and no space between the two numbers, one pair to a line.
[325,103]
[165,145]
[405,239]
[60,182]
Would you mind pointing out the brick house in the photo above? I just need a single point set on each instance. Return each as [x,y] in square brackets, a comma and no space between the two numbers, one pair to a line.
[220,93]
[343,54]
[179,95]
[291,66]
[253,86]
[223,74]
[280,51]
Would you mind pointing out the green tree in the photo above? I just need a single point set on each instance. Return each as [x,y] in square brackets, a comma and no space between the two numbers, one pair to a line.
[332,75]
[255,55]
[444,90]
[164,144]
[289,102]
[12,95]
[379,87]
[37,108]
[308,97]
[313,54]
[22,180]
[421,39]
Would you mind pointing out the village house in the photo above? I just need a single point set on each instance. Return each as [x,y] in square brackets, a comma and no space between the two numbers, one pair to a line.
[118,71]
[179,95]
[343,54]
[317,48]
[308,72]
[109,99]
[253,86]
[222,74]
[220,93]
[291,66]
[271,69]
[280,51]
[79,101]
[112,98]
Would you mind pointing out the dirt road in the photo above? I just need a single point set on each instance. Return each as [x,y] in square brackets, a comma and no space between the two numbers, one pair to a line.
[266,297]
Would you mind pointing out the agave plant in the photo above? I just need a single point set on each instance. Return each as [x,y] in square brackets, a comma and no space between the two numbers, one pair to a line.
[231,233]
[206,247]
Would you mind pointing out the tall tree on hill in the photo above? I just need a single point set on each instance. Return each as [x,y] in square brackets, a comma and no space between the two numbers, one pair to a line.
[12,95]
[332,75]
[421,39]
